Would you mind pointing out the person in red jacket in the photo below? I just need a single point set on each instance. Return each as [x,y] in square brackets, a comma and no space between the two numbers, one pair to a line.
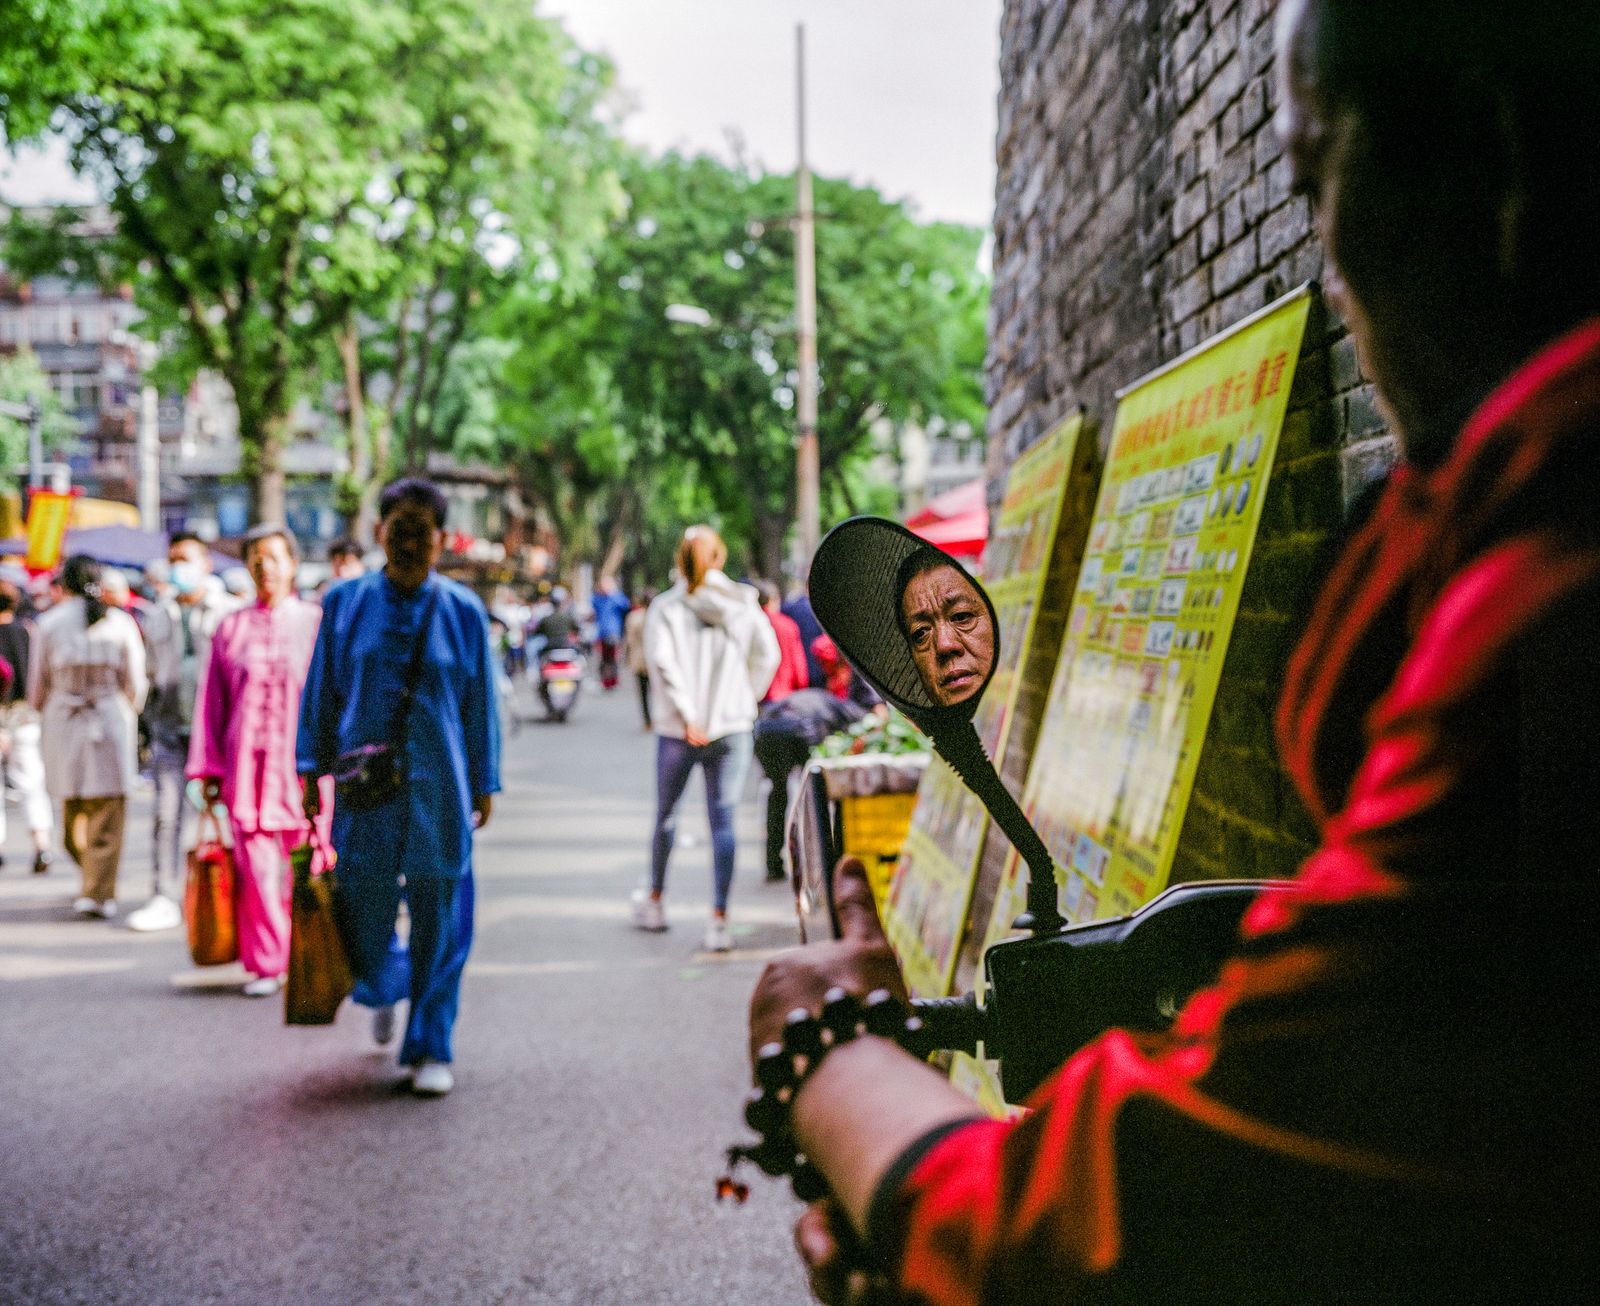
[792,673]
[1389,1092]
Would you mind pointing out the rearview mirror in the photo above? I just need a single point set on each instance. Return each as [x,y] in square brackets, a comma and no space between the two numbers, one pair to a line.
[922,632]
[909,617]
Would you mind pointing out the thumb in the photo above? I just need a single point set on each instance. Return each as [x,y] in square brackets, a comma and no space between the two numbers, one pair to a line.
[852,899]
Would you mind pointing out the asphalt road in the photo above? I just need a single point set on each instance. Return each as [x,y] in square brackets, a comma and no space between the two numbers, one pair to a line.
[165,1140]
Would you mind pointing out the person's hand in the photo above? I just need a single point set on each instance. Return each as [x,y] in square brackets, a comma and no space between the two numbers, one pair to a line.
[858,963]
[311,797]
[824,1239]
[481,807]
[211,790]
[694,738]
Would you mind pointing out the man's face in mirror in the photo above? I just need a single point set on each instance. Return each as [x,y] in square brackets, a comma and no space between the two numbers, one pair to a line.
[951,633]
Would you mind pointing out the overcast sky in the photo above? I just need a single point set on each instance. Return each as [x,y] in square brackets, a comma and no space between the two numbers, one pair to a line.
[900,93]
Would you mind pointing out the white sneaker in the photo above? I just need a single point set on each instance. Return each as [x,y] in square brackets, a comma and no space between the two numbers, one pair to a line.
[160,913]
[263,986]
[717,937]
[105,910]
[383,1025]
[432,1079]
[85,907]
[648,913]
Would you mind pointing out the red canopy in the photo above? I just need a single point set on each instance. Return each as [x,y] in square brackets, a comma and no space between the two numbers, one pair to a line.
[957,520]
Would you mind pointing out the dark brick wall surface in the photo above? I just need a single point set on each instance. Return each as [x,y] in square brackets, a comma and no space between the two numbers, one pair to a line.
[1142,205]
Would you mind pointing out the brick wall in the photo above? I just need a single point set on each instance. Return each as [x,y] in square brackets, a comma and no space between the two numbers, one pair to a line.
[1143,205]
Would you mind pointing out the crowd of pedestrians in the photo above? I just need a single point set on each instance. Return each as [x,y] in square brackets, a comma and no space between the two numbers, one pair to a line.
[254,708]
[362,716]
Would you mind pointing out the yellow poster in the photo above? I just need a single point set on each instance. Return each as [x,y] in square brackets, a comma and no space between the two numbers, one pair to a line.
[1173,530]
[47,528]
[1174,527]
[925,914]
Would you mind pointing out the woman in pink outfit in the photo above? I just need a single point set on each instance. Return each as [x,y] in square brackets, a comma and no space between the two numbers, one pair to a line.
[242,746]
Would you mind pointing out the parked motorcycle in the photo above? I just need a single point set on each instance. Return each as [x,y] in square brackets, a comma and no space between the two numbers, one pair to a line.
[561,672]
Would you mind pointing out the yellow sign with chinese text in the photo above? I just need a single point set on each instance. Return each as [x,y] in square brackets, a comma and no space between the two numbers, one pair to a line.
[925,913]
[1173,531]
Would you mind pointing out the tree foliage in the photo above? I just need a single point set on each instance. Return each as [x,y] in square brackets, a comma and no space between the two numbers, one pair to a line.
[629,416]
[23,381]
[279,172]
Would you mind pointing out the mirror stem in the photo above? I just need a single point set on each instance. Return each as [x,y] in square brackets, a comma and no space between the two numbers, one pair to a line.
[962,748]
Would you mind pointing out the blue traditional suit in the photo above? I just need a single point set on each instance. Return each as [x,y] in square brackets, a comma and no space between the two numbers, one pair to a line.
[420,844]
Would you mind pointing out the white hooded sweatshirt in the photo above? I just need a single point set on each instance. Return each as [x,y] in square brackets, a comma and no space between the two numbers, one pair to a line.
[710,656]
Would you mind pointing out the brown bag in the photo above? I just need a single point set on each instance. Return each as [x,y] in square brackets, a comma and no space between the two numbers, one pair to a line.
[319,967]
[209,897]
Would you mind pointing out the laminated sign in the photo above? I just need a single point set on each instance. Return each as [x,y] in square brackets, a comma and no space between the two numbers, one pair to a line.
[925,914]
[1174,527]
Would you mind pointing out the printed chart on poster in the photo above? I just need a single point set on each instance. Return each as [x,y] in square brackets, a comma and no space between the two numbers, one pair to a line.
[1174,526]
[926,911]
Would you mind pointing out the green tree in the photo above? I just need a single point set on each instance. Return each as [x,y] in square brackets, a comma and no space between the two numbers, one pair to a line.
[627,415]
[23,381]
[281,174]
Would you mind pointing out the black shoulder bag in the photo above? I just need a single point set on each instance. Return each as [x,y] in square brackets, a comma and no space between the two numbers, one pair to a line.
[374,775]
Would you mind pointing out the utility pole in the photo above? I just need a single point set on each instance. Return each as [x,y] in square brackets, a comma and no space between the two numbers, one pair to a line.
[808,511]
[147,455]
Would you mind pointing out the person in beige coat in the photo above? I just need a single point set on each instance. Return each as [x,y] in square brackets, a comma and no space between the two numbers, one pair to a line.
[86,679]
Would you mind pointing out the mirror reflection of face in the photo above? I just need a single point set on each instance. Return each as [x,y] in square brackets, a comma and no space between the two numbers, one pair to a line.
[951,633]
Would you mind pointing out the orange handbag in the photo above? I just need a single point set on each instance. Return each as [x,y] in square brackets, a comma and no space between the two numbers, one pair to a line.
[209,897]
[319,966]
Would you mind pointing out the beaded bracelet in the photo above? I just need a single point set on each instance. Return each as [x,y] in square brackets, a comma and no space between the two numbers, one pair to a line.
[781,1069]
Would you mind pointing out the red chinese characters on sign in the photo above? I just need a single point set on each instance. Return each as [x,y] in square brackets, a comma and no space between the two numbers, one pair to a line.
[1244,389]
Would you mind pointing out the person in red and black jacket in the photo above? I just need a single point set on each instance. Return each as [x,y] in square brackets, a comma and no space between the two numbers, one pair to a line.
[1390,1092]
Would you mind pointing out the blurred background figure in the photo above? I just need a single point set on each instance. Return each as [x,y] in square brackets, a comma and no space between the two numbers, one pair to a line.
[792,673]
[633,649]
[786,732]
[86,680]
[242,747]
[19,730]
[178,630]
[345,560]
[798,610]
[610,606]
[443,733]
[711,655]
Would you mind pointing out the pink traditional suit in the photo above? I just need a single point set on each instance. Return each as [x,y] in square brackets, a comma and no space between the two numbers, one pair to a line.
[246,710]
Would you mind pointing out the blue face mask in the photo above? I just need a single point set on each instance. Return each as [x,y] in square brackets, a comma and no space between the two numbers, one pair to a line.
[186,578]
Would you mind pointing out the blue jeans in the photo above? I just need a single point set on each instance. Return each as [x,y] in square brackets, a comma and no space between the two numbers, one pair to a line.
[429,971]
[725,762]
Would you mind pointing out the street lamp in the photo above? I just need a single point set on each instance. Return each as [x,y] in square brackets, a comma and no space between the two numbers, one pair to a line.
[688,314]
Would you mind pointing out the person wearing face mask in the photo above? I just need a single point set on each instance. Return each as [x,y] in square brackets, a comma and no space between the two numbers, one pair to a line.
[242,746]
[180,622]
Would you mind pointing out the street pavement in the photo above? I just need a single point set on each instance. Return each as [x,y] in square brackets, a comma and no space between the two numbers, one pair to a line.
[165,1140]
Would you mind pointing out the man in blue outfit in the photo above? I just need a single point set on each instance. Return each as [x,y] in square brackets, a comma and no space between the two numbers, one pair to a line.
[418,845]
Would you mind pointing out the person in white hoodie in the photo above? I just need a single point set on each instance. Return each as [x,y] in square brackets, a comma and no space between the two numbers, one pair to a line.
[710,654]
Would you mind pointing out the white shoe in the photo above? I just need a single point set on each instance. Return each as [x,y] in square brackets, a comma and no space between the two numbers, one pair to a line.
[432,1079]
[717,937]
[105,910]
[160,913]
[262,986]
[648,913]
[383,1024]
[85,907]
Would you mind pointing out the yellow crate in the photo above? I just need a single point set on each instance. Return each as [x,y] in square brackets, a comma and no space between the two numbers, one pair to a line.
[874,828]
